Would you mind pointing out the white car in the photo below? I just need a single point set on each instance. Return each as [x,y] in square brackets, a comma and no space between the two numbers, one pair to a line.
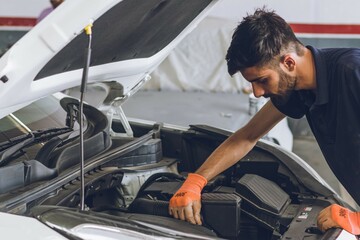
[110,178]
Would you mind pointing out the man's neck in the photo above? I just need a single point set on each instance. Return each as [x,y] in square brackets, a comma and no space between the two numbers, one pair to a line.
[306,72]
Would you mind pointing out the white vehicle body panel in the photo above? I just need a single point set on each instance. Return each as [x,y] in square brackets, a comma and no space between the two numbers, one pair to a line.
[17,227]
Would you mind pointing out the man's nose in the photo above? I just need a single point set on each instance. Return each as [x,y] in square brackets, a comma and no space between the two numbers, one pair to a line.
[257,90]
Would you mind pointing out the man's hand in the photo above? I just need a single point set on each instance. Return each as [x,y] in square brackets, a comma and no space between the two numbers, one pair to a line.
[336,216]
[186,202]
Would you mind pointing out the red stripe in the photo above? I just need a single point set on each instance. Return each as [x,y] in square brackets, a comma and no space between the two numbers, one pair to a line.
[297,27]
[17,22]
[325,28]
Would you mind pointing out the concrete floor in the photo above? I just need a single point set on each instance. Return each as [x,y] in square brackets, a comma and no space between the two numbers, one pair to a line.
[227,111]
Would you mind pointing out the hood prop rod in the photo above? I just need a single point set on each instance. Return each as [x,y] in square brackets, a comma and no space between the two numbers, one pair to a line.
[88,32]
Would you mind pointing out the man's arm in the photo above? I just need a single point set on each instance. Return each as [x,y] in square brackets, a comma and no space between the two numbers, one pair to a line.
[186,203]
[241,142]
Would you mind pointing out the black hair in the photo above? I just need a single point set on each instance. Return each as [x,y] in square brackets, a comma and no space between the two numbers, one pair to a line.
[258,39]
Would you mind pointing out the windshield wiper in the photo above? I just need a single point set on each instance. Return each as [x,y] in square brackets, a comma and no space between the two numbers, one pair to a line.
[14,145]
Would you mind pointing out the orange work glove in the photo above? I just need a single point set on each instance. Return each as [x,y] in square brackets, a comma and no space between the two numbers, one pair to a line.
[339,217]
[186,202]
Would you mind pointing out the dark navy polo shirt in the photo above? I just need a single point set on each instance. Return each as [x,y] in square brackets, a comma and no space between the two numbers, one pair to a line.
[333,112]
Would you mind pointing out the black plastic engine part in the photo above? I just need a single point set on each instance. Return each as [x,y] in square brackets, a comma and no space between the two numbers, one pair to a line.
[265,202]
[150,152]
[221,211]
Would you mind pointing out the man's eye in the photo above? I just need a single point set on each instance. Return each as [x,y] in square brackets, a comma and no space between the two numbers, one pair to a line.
[263,80]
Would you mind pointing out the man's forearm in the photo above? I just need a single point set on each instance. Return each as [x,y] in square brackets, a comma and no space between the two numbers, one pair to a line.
[241,142]
[226,155]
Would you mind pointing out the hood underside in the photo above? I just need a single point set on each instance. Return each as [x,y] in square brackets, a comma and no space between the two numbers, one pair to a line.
[129,39]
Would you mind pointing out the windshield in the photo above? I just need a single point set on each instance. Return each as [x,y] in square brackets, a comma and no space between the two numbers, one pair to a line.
[42,114]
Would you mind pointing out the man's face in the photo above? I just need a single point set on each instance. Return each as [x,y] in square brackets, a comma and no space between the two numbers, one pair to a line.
[270,81]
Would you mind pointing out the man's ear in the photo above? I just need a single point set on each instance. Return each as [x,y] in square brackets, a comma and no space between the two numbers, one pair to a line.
[289,62]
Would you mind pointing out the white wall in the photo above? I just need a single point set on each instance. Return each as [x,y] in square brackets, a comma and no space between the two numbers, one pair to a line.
[22,8]
[303,11]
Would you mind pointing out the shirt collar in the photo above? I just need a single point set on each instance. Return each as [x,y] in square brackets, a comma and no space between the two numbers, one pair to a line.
[322,92]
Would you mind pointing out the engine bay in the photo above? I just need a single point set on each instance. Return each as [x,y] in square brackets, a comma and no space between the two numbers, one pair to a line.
[255,199]
[267,195]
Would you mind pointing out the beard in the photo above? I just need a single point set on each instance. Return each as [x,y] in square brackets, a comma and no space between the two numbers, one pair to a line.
[285,88]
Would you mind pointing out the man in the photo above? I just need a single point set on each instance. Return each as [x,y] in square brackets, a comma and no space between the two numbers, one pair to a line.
[47,11]
[321,84]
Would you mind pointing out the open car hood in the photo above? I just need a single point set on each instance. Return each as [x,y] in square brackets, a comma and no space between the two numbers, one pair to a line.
[129,39]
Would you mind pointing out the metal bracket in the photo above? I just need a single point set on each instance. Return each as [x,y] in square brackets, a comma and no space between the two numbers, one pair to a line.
[115,111]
